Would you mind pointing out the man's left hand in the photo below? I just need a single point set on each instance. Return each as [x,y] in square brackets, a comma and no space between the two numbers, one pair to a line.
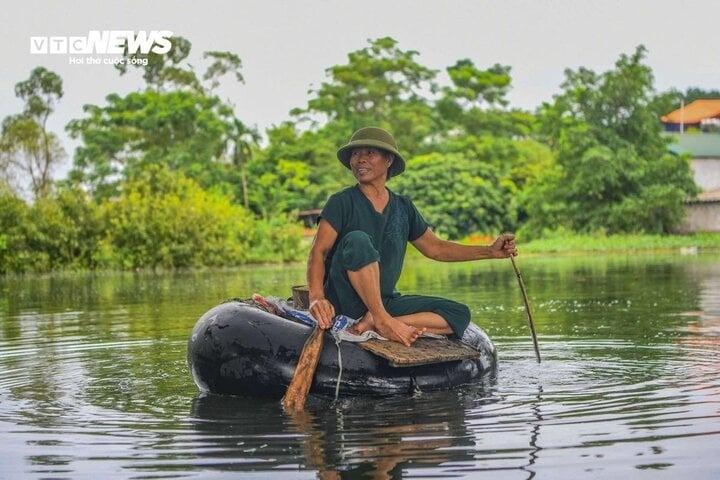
[504,246]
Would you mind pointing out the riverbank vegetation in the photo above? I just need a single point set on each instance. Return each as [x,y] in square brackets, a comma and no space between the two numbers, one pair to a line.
[169,177]
[567,242]
[563,241]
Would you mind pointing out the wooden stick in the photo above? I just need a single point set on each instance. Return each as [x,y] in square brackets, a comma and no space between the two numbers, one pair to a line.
[299,387]
[527,309]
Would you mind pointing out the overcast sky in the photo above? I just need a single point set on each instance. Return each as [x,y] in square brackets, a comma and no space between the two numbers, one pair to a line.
[286,46]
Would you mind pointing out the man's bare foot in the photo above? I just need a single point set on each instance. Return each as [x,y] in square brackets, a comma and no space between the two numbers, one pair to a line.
[366,323]
[394,329]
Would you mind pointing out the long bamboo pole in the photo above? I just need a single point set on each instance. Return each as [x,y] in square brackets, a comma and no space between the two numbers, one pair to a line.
[527,309]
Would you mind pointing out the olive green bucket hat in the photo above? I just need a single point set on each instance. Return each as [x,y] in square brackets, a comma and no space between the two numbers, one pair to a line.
[373,137]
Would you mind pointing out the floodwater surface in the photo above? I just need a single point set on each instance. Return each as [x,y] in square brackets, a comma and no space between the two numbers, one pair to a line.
[95,383]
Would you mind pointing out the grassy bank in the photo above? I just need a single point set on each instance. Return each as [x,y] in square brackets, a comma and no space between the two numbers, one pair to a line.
[576,243]
[570,243]
[565,244]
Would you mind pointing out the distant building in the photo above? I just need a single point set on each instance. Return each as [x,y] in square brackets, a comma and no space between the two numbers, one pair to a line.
[309,217]
[703,211]
[700,115]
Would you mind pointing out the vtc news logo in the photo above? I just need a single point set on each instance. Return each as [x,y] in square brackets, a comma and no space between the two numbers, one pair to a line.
[110,42]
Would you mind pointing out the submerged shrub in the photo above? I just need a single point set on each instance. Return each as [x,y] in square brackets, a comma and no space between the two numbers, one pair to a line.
[13,219]
[164,219]
[67,228]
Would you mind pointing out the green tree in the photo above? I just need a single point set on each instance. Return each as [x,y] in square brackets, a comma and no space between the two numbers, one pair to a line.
[613,170]
[182,129]
[311,154]
[456,194]
[380,85]
[283,188]
[164,71]
[243,141]
[167,71]
[384,85]
[176,121]
[518,164]
[27,146]
[475,103]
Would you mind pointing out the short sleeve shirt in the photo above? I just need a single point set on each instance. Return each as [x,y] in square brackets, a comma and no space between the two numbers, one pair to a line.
[399,223]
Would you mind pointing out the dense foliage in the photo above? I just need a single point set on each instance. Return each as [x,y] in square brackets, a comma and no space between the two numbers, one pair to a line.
[613,170]
[168,176]
[160,219]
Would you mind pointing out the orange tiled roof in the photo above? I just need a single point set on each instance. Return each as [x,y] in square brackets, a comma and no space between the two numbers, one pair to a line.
[694,111]
[710,196]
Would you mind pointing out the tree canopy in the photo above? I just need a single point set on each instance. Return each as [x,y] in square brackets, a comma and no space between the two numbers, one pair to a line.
[613,170]
[170,176]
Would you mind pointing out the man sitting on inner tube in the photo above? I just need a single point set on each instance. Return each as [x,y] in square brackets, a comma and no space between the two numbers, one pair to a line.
[358,250]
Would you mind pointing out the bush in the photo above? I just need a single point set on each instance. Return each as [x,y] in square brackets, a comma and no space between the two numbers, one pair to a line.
[277,239]
[13,245]
[164,219]
[161,219]
[67,228]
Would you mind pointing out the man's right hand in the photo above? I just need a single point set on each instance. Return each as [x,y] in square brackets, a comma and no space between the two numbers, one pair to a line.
[323,311]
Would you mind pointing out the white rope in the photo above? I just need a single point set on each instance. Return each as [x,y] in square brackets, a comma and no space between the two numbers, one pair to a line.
[337,384]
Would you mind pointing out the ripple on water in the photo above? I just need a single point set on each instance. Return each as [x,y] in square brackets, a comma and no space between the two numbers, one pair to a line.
[107,394]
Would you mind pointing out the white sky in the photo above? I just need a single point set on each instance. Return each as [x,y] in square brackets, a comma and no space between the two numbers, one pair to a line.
[286,46]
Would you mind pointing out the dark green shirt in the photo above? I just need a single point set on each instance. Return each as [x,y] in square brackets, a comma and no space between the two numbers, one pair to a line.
[399,223]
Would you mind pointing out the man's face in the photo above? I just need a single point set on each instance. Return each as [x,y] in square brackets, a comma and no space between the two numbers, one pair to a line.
[368,163]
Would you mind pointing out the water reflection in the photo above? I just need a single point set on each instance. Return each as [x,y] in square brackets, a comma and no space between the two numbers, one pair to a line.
[356,438]
[94,379]
[534,452]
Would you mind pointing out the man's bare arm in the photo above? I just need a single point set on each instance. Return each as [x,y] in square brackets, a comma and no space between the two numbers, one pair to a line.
[446,251]
[320,307]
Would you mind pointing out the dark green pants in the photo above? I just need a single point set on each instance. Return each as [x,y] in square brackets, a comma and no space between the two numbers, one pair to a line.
[356,251]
